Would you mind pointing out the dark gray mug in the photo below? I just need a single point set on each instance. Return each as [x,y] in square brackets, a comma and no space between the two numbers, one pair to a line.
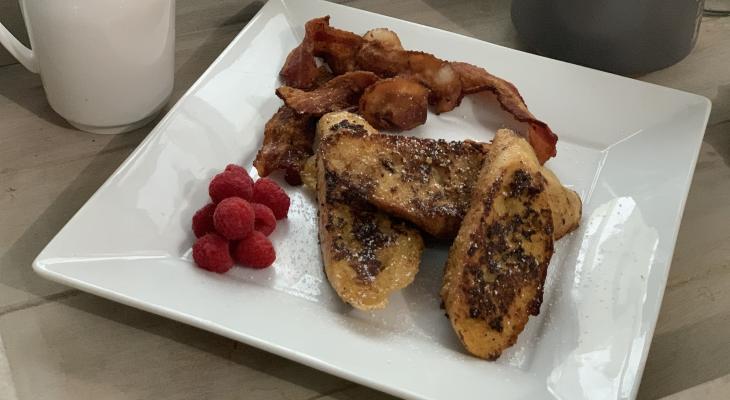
[620,36]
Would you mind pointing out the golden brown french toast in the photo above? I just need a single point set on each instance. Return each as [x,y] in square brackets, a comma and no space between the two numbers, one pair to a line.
[424,181]
[367,254]
[327,125]
[565,204]
[497,265]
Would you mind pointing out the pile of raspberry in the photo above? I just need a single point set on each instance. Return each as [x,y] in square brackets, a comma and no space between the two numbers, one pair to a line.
[235,225]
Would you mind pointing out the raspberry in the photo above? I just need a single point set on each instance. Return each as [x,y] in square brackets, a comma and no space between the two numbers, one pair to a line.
[256,251]
[212,252]
[241,171]
[265,221]
[203,220]
[234,218]
[230,184]
[268,193]
[237,169]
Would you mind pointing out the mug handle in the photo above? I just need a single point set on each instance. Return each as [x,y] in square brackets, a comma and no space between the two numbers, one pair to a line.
[23,54]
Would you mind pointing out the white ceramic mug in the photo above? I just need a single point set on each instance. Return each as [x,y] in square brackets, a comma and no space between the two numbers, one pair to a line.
[107,66]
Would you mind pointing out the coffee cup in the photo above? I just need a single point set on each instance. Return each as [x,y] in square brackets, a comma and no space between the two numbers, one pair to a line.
[107,66]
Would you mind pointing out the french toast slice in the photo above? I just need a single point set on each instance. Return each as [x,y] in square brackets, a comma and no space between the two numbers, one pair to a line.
[565,204]
[498,262]
[424,181]
[427,182]
[367,254]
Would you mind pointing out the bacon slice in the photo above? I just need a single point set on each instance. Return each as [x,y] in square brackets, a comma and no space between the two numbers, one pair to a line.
[340,93]
[324,75]
[288,138]
[300,68]
[395,104]
[336,46]
[380,51]
[430,71]
[475,79]
[385,37]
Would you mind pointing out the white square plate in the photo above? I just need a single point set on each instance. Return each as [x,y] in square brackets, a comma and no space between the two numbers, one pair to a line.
[628,148]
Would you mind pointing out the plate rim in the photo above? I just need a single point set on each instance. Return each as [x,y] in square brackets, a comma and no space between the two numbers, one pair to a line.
[312,361]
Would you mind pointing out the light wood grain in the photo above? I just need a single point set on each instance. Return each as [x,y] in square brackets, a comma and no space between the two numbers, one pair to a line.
[62,344]
[717,389]
[692,339]
[115,352]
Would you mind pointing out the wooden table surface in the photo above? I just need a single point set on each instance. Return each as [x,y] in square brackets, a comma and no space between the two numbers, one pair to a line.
[60,343]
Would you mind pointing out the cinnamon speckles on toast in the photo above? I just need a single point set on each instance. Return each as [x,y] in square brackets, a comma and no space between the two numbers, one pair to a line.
[367,253]
[498,262]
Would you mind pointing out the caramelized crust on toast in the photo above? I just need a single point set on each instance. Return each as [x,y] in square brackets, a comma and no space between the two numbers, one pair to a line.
[367,254]
[565,204]
[424,181]
[497,264]
[427,182]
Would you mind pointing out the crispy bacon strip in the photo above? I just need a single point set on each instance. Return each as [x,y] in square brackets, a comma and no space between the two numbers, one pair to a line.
[432,72]
[475,79]
[380,51]
[336,46]
[324,75]
[288,138]
[395,104]
[300,68]
[385,37]
[340,93]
